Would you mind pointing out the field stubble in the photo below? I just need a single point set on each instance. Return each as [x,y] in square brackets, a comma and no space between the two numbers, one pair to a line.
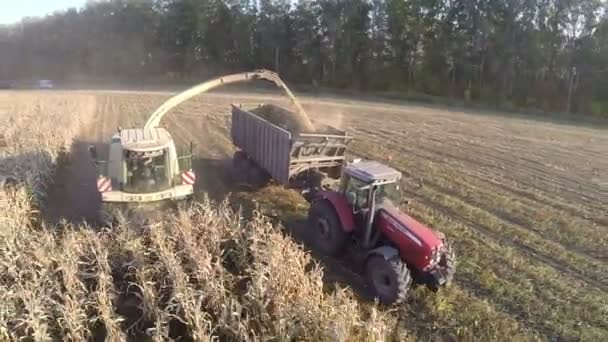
[523,202]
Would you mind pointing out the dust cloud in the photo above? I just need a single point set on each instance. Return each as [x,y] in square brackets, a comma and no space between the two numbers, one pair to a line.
[328,116]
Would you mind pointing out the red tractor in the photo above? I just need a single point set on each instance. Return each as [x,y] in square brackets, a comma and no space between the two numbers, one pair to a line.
[311,158]
[395,248]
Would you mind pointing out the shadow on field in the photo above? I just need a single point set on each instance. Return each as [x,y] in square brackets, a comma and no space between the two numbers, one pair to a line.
[71,192]
[73,196]
[284,207]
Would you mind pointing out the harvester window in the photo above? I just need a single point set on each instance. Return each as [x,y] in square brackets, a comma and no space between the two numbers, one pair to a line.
[146,173]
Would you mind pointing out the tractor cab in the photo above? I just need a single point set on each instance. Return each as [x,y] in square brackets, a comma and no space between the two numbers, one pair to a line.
[368,186]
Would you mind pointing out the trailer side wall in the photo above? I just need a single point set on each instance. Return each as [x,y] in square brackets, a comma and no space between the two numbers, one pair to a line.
[267,144]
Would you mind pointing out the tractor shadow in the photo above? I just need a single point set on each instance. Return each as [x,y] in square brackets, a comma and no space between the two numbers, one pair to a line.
[284,208]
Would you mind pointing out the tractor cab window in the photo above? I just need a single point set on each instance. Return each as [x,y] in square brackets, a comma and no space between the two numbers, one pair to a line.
[146,171]
[356,189]
[388,193]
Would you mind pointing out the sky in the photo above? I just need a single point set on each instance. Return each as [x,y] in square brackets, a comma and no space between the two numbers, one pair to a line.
[12,11]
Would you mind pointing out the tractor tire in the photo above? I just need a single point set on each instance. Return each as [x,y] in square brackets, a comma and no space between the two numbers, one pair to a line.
[389,279]
[446,266]
[448,262]
[328,236]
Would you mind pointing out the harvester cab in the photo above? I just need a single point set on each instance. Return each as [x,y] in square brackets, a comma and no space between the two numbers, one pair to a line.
[395,248]
[143,166]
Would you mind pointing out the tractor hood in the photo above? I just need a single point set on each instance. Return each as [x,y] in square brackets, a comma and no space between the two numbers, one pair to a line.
[418,233]
[418,244]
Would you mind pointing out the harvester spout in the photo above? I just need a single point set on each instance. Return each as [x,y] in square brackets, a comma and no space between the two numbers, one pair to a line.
[268,75]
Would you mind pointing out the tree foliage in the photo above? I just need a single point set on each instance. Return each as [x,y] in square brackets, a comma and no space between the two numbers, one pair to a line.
[543,54]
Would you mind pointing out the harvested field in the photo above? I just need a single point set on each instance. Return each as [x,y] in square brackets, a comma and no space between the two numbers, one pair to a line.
[523,202]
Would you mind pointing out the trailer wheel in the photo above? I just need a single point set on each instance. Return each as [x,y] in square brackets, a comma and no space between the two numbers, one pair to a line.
[390,279]
[329,237]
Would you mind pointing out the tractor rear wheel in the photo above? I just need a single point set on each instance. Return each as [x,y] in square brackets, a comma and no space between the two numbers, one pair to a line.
[329,237]
[390,279]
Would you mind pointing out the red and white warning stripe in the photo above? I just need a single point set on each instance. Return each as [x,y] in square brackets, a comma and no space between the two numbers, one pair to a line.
[104,184]
[188,177]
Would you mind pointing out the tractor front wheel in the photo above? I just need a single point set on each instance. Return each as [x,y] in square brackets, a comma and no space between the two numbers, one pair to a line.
[445,269]
[390,279]
[329,237]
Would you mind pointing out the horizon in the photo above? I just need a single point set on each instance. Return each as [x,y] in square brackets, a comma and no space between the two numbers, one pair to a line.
[19,10]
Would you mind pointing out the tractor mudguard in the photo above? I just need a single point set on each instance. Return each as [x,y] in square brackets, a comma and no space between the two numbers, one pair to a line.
[343,210]
[387,252]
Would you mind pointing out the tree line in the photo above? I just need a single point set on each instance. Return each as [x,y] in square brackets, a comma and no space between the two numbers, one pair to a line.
[543,54]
